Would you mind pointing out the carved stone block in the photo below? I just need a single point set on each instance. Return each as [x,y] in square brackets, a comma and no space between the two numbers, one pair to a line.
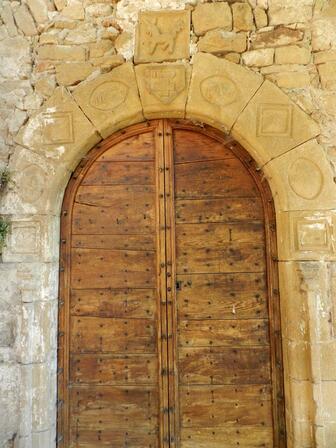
[272,124]
[163,89]
[219,90]
[112,100]
[162,36]
[310,237]
[59,130]
[303,179]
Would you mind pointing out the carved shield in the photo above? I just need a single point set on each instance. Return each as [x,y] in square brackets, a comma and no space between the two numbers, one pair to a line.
[166,82]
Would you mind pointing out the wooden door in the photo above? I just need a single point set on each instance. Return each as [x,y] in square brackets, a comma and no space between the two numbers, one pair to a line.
[169,332]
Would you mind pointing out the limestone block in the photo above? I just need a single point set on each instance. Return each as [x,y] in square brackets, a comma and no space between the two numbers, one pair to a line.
[272,124]
[9,403]
[31,239]
[21,64]
[42,377]
[98,49]
[260,17]
[233,57]
[37,184]
[209,16]
[74,10]
[8,20]
[98,10]
[286,12]
[277,37]
[304,235]
[36,338]
[162,36]
[292,55]
[304,179]
[83,34]
[107,62]
[163,89]
[303,404]
[7,328]
[39,10]
[242,17]
[294,303]
[45,86]
[328,360]
[299,361]
[111,101]
[29,281]
[25,21]
[61,52]
[327,74]
[324,56]
[219,90]
[291,80]
[258,58]
[60,130]
[68,74]
[219,41]
[328,410]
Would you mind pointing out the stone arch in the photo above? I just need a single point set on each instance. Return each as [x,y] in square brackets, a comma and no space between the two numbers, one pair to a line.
[277,133]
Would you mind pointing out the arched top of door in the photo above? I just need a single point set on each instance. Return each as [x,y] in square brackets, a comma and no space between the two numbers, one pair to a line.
[277,134]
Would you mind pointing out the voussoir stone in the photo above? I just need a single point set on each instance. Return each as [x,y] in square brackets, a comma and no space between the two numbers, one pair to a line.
[219,90]
[209,16]
[60,130]
[304,178]
[111,101]
[272,124]
[163,89]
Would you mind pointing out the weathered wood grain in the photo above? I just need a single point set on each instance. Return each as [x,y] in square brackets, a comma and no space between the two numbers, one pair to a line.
[222,296]
[214,179]
[138,147]
[128,303]
[114,369]
[224,365]
[120,173]
[218,210]
[112,269]
[100,335]
[204,406]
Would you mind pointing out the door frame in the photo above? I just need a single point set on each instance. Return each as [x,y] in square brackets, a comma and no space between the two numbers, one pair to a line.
[271,261]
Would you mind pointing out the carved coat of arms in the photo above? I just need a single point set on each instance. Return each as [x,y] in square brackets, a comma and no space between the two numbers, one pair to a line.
[166,82]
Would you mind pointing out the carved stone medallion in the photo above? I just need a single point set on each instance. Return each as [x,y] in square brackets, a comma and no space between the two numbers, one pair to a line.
[305,178]
[32,183]
[109,95]
[219,90]
[162,36]
[165,82]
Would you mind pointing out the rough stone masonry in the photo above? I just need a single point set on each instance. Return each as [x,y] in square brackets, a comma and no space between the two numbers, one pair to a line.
[49,43]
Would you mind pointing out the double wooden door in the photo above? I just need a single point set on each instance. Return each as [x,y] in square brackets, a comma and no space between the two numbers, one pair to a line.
[169,322]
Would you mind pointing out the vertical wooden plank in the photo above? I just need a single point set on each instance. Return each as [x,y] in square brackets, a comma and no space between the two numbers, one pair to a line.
[171,291]
[162,286]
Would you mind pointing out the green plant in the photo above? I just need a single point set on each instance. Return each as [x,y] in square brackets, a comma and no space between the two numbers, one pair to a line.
[4,229]
[5,177]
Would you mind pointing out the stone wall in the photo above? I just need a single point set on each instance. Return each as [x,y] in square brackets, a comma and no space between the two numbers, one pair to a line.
[49,43]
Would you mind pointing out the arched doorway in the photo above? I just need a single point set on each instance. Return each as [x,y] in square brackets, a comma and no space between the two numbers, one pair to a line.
[170,328]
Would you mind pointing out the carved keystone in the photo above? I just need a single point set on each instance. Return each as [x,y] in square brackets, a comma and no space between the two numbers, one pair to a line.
[163,89]
[162,36]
